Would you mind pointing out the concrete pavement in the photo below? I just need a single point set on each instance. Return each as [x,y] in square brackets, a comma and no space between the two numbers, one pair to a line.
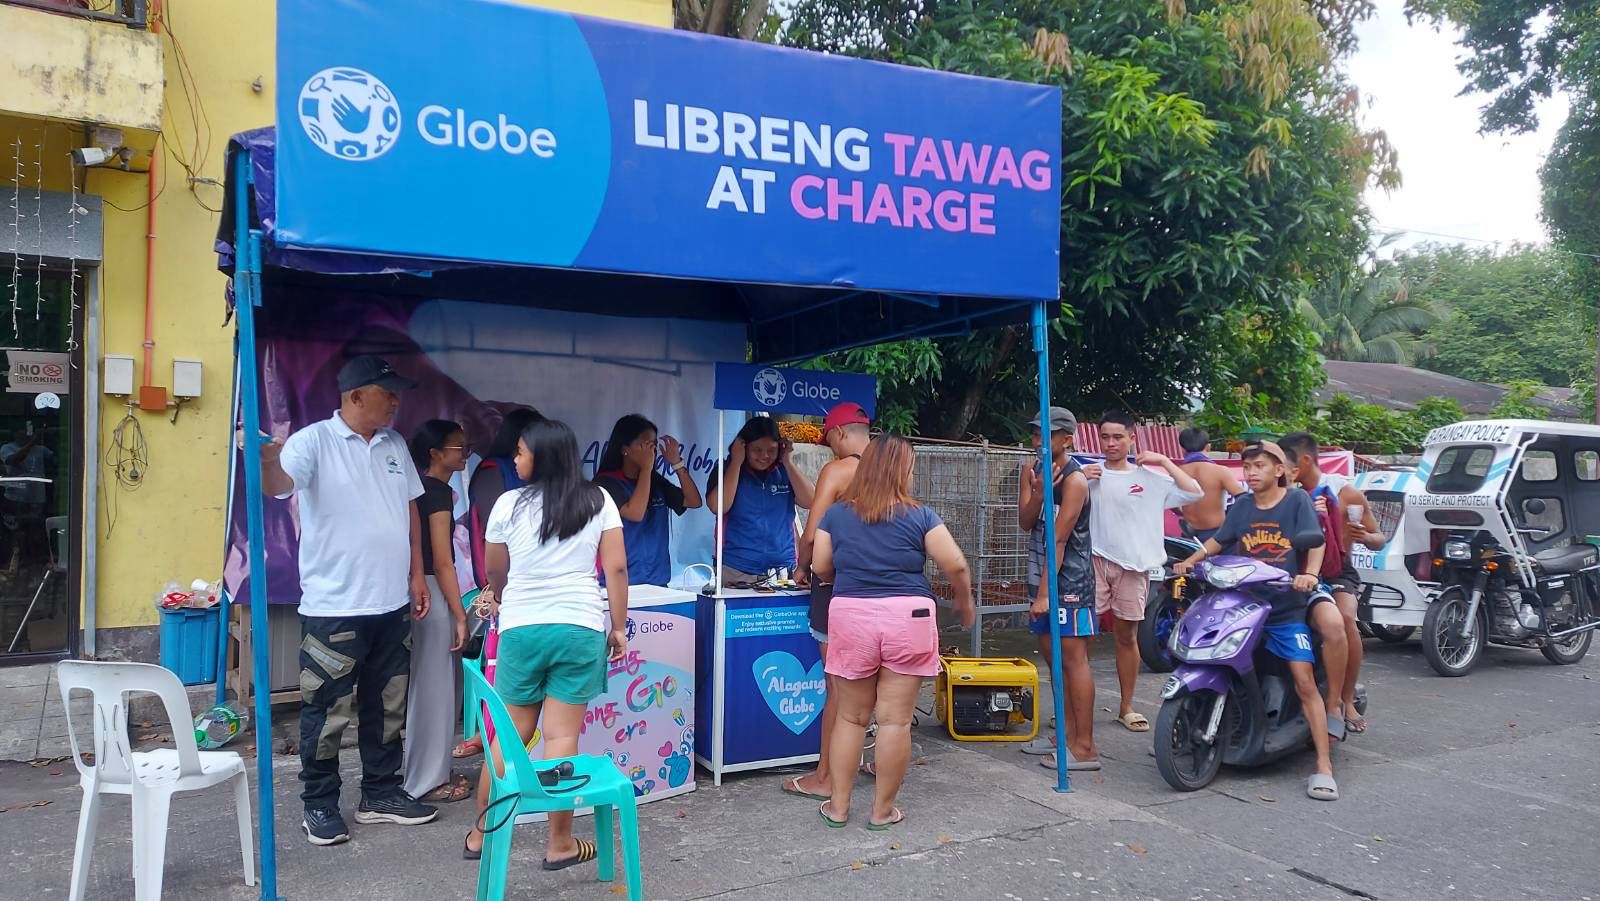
[1484,787]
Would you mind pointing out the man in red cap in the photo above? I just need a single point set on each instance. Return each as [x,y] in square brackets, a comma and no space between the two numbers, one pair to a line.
[846,432]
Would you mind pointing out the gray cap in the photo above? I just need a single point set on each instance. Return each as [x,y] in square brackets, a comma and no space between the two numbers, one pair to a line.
[1061,420]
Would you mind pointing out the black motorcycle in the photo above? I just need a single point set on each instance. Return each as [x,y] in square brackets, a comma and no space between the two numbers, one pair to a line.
[1166,603]
[1484,600]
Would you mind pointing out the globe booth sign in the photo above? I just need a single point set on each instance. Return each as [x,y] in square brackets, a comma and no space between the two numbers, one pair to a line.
[508,133]
[810,392]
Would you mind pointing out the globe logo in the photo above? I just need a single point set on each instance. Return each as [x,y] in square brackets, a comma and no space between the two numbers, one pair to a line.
[349,113]
[769,387]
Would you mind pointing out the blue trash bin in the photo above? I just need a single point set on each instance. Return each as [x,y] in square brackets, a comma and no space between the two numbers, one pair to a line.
[189,643]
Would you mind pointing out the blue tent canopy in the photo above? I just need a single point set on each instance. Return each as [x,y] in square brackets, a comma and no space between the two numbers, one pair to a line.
[511,154]
[784,322]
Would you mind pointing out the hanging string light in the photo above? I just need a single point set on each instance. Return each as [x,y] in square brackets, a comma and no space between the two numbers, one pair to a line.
[72,264]
[16,236]
[38,223]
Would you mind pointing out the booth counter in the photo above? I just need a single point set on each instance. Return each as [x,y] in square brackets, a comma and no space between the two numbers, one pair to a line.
[645,720]
[761,684]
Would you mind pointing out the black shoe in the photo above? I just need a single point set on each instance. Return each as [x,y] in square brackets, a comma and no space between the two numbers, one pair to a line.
[399,808]
[324,826]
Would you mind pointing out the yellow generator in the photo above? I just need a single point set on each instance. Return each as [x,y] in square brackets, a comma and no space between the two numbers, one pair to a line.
[984,698]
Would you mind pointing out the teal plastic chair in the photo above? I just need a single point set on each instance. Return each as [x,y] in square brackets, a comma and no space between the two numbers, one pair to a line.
[516,790]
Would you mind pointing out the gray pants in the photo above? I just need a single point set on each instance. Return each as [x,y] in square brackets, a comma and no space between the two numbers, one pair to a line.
[433,704]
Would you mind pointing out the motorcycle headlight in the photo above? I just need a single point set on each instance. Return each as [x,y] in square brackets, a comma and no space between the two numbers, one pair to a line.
[1458,550]
[1227,647]
[1226,577]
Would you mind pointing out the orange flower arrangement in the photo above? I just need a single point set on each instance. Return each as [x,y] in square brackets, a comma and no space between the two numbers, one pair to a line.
[800,432]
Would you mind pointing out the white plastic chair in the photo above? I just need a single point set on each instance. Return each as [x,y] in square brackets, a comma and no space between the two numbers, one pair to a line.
[150,777]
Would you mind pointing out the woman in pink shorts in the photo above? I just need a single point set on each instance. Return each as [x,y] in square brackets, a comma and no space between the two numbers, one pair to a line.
[883,633]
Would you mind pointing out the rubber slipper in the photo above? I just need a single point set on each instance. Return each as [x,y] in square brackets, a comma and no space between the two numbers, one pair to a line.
[832,823]
[467,853]
[466,749]
[1356,724]
[1134,722]
[792,787]
[1321,787]
[1336,728]
[1039,747]
[1074,765]
[898,818]
[586,853]
[869,768]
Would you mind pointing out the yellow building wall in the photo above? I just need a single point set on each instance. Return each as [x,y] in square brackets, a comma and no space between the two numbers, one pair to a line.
[171,527]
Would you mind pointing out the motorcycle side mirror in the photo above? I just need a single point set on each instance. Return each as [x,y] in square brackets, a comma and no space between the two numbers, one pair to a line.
[1533,506]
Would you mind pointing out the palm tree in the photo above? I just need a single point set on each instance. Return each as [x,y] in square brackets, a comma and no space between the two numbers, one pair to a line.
[1369,317]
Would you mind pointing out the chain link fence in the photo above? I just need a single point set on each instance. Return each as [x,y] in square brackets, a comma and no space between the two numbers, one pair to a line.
[974,490]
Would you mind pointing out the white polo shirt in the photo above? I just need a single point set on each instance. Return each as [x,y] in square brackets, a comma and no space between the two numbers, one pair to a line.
[355,518]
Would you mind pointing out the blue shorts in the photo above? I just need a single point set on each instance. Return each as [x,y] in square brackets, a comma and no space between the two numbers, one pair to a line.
[1290,641]
[1077,621]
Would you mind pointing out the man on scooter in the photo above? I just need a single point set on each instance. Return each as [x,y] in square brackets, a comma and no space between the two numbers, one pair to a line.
[1351,512]
[1264,528]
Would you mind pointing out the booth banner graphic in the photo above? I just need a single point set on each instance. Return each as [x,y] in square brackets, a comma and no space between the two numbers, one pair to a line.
[770,389]
[473,362]
[508,133]
[644,721]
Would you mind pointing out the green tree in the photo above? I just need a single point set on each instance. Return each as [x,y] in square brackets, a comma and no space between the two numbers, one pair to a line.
[1507,316]
[1212,168]
[1519,52]
[1369,317]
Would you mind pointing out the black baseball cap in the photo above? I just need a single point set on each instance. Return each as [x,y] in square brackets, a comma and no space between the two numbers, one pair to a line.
[369,370]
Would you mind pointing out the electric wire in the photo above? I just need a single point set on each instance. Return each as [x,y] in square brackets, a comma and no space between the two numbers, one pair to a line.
[128,458]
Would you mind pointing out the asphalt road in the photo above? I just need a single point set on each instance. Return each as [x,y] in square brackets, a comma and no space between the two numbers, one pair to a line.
[1483,787]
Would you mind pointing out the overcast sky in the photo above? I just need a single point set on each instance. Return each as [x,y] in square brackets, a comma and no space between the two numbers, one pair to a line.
[1456,181]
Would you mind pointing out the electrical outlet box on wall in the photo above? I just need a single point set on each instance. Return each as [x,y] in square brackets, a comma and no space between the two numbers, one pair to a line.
[117,380]
[186,378]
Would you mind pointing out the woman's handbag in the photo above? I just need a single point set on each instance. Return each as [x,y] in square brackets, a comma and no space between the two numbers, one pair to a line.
[477,630]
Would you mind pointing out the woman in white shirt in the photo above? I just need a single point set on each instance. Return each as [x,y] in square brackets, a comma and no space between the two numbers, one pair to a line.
[539,552]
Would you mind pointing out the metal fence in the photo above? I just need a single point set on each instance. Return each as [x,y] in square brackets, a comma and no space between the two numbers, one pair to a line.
[974,490]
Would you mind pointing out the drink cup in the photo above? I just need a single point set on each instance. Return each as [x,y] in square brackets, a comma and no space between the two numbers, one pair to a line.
[1354,513]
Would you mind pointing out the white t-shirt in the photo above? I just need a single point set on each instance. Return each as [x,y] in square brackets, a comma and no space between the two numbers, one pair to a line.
[553,581]
[355,518]
[1126,507]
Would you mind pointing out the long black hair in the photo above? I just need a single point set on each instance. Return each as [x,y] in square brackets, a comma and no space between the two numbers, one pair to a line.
[512,425]
[569,501]
[754,429]
[625,432]
[429,437]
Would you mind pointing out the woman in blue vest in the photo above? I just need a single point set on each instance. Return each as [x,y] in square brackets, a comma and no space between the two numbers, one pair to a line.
[644,497]
[764,487]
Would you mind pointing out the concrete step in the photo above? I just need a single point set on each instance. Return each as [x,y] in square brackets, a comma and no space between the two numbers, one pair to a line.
[33,719]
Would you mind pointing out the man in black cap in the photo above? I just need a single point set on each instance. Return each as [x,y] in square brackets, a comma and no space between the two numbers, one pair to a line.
[360,582]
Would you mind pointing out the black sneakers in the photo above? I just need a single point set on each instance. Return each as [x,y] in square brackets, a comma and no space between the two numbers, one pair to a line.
[324,826]
[399,808]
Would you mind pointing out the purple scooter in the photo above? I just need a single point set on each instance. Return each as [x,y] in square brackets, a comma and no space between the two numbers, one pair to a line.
[1229,700]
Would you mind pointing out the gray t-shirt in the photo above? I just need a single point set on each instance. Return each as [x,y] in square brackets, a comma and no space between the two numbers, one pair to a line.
[1268,536]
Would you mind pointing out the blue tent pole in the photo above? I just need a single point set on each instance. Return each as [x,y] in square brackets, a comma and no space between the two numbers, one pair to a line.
[247,294]
[1041,347]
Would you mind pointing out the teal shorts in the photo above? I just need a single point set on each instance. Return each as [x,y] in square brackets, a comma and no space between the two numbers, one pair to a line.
[560,661]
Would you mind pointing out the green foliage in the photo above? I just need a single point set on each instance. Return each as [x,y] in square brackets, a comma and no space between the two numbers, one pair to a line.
[1367,315]
[1212,169]
[1508,316]
[1518,402]
[1518,52]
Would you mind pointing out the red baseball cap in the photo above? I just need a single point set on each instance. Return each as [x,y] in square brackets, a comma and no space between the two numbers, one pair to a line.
[844,414]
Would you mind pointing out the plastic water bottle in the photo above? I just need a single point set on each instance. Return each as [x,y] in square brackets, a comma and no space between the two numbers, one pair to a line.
[218,726]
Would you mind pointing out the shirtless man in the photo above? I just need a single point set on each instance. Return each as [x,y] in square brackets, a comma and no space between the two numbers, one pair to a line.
[1204,516]
[846,431]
